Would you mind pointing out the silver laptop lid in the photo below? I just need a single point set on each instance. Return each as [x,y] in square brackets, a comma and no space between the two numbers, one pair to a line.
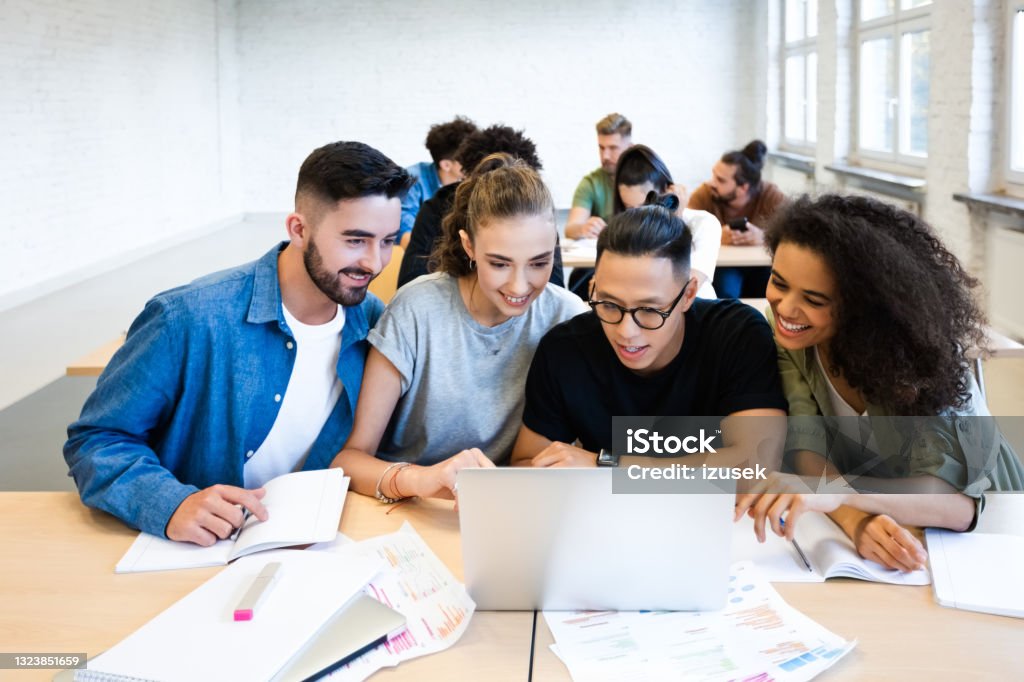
[558,539]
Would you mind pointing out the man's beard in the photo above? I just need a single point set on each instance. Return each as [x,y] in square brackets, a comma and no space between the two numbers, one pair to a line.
[327,282]
[723,198]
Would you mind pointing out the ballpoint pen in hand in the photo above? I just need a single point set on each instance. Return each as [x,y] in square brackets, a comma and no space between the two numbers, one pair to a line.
[803,557]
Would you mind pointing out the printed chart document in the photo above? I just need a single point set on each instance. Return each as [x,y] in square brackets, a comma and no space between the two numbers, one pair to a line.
[304,507]
[830,551]
[417,584]
[978,571]
[197,638]
[757,636]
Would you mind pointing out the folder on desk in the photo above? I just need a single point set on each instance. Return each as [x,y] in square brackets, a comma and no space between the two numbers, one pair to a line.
[981,572]
[197,638]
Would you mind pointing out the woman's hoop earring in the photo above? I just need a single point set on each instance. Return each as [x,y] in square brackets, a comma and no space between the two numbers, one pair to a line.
[472,264]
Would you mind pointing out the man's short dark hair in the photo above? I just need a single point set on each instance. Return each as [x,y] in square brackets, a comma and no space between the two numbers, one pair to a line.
[653,229]
[495,139]
[444,138]
[349,170]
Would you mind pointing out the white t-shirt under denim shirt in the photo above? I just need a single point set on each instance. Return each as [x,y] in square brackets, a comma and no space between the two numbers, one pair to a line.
[462,382]
[313,389]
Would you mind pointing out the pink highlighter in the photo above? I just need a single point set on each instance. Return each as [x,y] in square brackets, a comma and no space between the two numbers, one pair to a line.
[258,591]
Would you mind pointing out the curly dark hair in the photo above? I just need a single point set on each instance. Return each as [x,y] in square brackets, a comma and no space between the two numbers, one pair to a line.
[443,139]
[501,186]
[496,138]
[905,312]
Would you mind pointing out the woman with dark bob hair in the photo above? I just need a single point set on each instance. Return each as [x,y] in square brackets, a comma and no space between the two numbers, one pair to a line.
[872,316]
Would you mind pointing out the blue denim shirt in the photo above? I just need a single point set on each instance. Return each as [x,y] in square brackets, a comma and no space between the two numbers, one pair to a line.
[427,184]
[195,390]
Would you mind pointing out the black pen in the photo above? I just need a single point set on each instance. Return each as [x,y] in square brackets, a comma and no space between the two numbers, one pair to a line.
[803,557]
[245,517]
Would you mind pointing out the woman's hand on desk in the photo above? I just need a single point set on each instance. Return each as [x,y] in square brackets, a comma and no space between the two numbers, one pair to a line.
[214,513]
[880,538]
[438,480]
[564,455]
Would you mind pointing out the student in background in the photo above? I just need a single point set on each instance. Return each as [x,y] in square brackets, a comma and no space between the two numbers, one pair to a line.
[443,169]
[649,347]
[641,171]
[444,377]
[872,316]
[248,373]
[743,203]
[426,233]
[592,202]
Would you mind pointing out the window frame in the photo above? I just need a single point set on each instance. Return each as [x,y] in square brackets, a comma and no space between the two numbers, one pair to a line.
[893,26]
[1014,176]
[802,47]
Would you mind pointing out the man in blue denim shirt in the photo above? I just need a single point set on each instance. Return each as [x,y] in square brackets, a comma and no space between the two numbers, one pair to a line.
[442,141]
[247,373]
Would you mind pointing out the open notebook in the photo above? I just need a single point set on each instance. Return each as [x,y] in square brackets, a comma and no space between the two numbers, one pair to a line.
[197,639]
[304,507]
[830,552]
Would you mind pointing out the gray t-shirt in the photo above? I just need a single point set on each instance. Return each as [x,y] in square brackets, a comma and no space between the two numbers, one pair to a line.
[462,382]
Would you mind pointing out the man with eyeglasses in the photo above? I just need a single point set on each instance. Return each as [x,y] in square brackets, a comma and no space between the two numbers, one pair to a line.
[648,348]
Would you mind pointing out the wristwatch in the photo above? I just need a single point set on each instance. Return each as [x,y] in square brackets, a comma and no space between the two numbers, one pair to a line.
[607,458]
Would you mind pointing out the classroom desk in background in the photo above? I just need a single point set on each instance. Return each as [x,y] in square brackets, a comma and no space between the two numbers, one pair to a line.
[59,593]
[93,363]
[582,253]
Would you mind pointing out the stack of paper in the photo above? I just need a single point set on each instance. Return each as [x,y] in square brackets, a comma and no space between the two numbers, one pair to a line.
[756,636]
[198,639]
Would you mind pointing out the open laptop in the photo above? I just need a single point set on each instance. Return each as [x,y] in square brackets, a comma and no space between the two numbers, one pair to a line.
[559,539]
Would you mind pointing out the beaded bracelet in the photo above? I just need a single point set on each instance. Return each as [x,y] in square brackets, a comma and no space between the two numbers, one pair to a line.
[380,494]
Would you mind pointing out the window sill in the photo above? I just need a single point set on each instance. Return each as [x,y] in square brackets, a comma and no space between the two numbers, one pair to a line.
[798,162]
[891,184]
[992,202]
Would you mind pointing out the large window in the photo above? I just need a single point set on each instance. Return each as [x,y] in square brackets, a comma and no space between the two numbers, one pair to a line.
[800,76]
[893,86]
[1016,106]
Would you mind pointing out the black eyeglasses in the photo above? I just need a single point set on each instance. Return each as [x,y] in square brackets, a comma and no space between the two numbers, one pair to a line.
[645,318]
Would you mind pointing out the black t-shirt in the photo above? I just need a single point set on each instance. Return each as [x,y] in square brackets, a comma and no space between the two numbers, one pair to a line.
[426,232]
[577,384]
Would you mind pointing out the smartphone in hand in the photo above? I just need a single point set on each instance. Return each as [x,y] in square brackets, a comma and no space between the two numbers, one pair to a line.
[738,224]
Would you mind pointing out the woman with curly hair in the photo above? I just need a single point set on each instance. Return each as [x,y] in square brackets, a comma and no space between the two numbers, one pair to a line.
[445,374]
[872,315]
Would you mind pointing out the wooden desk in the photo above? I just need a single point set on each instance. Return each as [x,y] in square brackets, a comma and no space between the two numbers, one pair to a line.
[93,363]
[59,593]
[582,253]
[902,633]
[743,256]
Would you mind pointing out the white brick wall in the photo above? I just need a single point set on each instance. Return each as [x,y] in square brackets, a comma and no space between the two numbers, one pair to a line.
[382,71]
[112,113]
[131,125]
